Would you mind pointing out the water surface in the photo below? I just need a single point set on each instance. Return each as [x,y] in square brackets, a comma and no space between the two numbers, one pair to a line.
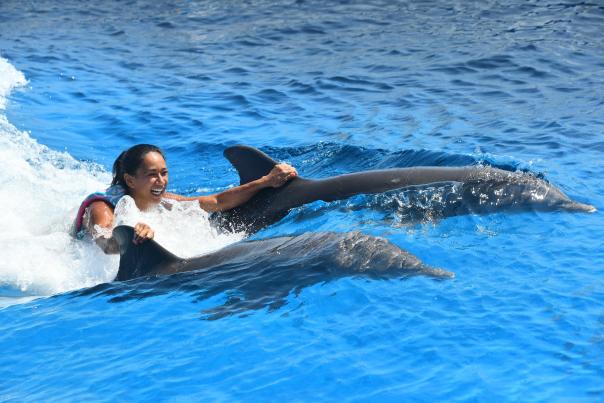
[331,88]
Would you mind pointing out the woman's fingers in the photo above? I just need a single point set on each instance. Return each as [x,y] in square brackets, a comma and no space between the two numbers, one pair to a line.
[142,233]
[281,173]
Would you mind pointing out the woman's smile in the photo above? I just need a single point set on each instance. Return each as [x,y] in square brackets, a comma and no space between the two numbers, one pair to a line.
[158,191]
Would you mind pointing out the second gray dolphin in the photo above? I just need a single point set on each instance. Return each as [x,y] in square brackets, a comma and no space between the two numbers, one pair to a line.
[483,190]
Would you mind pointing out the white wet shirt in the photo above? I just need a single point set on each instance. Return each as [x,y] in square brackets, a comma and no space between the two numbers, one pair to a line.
[182,227]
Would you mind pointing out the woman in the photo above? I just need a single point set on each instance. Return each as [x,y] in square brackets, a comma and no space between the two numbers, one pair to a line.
[141,173]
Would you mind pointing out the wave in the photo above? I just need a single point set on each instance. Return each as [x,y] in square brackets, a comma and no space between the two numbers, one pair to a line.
[40,190]
[10,78]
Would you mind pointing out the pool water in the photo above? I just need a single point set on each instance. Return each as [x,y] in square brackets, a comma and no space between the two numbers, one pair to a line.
[331,88]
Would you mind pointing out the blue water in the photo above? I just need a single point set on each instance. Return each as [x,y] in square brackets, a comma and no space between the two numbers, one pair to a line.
[329,87]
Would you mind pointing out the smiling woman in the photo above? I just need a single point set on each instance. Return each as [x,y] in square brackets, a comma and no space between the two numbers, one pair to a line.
[142,171]
[140,179]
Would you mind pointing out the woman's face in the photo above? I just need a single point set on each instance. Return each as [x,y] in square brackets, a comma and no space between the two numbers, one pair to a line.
[149,183]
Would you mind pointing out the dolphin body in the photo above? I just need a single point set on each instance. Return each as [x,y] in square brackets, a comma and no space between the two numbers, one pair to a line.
[255,274]
[482,190]
[341,253]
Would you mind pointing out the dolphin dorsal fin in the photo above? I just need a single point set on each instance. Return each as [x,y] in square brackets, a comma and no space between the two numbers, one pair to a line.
[250,163]
[140,260]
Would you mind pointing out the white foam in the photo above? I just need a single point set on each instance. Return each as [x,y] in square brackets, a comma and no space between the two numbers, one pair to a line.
[181,227]
[40,190]
[39,193]
[10,78]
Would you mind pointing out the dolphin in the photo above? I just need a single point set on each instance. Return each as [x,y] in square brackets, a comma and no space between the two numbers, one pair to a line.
[348,252]
[256,274]
[481,190]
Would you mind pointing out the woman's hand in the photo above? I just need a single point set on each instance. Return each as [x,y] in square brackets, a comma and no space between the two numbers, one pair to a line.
[280,174]
[142,233]
[238,195]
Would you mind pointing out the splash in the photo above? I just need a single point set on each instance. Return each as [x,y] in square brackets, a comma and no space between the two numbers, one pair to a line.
[181,227]
[9,79]
[40,191]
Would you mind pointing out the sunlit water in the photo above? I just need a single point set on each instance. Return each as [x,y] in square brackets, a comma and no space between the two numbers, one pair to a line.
[329,88]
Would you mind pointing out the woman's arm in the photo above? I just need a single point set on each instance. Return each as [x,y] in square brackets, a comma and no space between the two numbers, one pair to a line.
[236,196]
[102,215]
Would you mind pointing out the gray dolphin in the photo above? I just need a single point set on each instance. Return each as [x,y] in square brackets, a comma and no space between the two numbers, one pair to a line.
[338,253]
[482,190]
[256,274]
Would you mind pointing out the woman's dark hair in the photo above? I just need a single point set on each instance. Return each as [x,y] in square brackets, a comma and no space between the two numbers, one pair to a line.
[129,161]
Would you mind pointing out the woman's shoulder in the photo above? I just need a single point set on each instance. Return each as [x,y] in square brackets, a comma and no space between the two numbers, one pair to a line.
[126,204]
[126,200]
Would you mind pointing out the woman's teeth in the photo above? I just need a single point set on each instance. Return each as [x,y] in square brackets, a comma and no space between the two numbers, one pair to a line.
[157,192]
